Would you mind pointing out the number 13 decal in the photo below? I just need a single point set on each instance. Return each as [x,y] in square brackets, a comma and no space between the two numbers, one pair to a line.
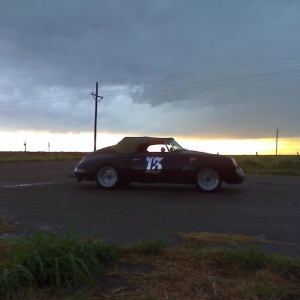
[154,166]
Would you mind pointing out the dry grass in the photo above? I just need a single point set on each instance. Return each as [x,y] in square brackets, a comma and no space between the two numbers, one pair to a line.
[199,271]
[5,226]
[180,274]
[232,239]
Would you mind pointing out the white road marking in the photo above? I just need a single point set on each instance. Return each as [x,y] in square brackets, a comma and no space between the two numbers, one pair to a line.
[13,185]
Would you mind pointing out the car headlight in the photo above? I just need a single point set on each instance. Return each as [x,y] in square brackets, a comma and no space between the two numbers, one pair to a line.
[78,169]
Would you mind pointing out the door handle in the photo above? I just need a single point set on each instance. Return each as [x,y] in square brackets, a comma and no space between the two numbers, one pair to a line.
[136,159]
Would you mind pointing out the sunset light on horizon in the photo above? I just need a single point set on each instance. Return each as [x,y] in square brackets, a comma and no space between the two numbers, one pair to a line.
[83,142]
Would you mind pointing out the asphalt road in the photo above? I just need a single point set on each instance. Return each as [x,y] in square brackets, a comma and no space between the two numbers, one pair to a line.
[40,196]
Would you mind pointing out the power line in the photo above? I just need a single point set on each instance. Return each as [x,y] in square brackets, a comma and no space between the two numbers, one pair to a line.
[48,97]
[183,86]
[169,73]
[216,82]
[42,102]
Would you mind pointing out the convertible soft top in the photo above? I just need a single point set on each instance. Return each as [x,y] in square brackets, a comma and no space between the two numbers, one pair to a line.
[131,144]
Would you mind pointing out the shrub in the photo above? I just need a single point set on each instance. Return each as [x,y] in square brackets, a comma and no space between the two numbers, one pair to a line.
[46,259]
[151,246]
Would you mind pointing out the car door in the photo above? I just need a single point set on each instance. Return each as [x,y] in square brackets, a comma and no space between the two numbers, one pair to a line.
[157,167]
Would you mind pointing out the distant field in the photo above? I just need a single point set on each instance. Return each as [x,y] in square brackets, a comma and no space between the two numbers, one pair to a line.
[251,164]
[270,164]
[39,156]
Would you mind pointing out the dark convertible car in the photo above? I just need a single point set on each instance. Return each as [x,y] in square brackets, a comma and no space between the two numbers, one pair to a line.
[157,160]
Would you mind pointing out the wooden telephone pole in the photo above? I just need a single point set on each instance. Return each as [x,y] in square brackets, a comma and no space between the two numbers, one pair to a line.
[97,99]
[276,141]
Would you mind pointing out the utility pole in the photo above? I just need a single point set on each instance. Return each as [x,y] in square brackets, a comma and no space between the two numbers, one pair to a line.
[25,146]
[276,141]
[97,99]
[49,146]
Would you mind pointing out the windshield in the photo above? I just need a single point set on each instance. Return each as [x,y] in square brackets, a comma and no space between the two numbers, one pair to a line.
[174,145]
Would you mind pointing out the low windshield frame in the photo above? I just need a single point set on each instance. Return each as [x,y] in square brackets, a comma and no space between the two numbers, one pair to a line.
[174,145]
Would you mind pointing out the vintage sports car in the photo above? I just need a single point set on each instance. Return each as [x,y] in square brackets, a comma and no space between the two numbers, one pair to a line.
[157,160]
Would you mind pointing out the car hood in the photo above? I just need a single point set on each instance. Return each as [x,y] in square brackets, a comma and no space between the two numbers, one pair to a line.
[198,152]
[100,151]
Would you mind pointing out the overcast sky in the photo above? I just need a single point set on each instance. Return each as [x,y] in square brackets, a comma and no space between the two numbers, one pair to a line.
[207,69]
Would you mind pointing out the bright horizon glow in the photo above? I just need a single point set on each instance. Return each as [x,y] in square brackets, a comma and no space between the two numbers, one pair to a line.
[84,142]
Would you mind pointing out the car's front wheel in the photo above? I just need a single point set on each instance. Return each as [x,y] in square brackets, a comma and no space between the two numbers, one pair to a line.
[208,180]
[107,177]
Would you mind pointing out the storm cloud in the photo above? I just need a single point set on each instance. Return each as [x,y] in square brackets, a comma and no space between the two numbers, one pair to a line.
[192,68]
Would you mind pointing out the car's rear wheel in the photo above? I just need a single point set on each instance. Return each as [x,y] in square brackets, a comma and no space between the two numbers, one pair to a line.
[107,177]
[208,180]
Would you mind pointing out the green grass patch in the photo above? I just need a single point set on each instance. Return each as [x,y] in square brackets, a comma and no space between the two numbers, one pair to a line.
[270,164]
[40,156]
[251,259]
[151,246]
[48,259]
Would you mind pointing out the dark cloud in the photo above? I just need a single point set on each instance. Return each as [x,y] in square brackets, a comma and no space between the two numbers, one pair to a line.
[184,58]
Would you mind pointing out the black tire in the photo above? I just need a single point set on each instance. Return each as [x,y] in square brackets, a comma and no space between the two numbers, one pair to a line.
[208,180]
[107,177]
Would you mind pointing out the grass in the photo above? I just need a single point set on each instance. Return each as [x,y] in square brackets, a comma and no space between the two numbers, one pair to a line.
[52,260]
[39,156]
[275,165]
[5,226]
[50,266]
[151,246]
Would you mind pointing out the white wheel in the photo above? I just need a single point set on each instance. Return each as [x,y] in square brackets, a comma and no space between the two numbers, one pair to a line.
[208,180]
[107,177]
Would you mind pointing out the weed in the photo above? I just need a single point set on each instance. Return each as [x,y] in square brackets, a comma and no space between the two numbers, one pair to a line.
[248,259]
[56,260]
[152,246]
[199,253]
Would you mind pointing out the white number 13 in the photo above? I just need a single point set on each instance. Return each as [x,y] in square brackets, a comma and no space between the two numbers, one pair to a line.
[154,166]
